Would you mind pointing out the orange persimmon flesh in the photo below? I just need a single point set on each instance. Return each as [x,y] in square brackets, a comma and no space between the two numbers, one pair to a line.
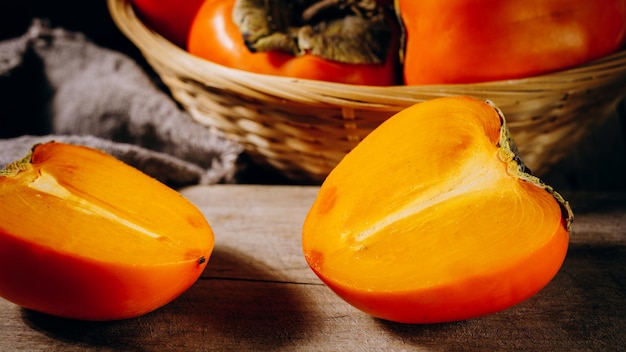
[433,218]
[86,236]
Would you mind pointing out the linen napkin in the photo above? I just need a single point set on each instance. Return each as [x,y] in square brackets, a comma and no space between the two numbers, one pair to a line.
[58,85]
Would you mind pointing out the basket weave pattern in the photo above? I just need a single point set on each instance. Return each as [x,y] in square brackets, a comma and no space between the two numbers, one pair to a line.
[303,128]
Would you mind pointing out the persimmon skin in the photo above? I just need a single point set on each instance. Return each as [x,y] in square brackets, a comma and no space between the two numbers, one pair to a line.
[54,283]
[455,303]
[107,249]
[169,18]
[430,219]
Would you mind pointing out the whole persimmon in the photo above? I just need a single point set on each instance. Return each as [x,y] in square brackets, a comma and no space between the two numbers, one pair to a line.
[86,236]
[434,218]
[215,36]
[467,41]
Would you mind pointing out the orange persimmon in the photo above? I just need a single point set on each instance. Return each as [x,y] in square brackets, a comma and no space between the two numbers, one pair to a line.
[214,36]
[86,236]
[467,41]
[434,218]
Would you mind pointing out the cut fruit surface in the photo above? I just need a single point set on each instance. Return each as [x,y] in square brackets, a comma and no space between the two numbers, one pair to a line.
[433,218]
[83,235]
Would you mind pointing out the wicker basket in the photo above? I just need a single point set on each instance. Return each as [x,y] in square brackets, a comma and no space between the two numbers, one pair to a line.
[303,127]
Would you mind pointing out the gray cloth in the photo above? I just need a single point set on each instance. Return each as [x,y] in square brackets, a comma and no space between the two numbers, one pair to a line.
[57,85]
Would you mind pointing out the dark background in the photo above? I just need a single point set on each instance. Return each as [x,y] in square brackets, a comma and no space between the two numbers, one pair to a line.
[90,17]
[597,163]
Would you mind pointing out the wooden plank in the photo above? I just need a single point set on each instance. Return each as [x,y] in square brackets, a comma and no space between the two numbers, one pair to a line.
[259,294]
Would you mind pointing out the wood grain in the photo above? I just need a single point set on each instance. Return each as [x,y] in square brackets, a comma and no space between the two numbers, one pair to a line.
[259,294]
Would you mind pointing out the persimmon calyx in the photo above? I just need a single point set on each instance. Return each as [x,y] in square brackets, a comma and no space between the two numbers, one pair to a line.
[17,166]
[509,154]
[346,31]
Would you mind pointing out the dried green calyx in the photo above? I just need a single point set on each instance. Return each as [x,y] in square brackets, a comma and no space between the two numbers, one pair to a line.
[516,167]
[17,166]
[347,31]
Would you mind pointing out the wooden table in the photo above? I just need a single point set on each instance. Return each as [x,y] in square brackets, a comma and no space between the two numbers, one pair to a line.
[259,294]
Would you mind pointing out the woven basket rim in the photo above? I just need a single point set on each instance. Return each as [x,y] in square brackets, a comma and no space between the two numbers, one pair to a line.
[160,51]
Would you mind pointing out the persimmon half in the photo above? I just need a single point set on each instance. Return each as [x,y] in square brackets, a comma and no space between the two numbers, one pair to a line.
[86,236]
[434,218]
